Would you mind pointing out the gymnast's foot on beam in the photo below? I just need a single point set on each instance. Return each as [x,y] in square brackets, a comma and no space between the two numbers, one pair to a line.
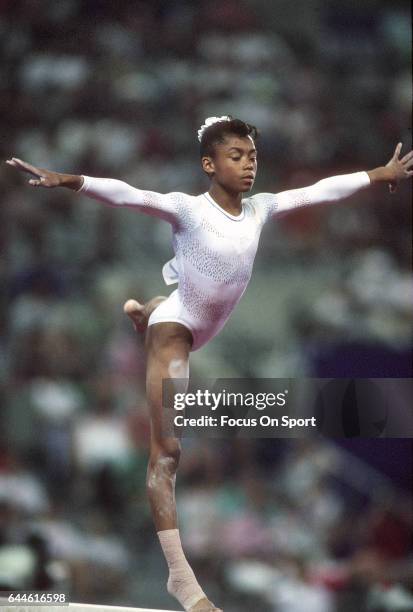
[183,585]
[140,313]
[204,605]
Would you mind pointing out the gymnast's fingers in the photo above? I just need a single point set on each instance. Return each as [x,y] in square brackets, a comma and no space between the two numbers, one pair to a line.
[24,166]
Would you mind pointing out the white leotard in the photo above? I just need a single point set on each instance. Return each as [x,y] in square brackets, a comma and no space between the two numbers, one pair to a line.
[214,250]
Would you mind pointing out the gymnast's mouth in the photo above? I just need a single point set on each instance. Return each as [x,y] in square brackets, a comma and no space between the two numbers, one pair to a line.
[249,177]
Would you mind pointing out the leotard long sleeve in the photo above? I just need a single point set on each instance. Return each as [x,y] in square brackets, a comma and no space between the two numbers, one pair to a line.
[118,193]
[327,190]
[214,250]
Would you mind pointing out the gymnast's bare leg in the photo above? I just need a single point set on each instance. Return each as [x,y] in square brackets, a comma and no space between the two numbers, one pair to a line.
[167,346]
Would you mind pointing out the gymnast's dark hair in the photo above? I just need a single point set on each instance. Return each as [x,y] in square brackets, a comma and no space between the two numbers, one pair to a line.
[215,134]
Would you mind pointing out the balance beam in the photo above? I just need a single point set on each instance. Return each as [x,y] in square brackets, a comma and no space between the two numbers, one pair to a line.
[76,607]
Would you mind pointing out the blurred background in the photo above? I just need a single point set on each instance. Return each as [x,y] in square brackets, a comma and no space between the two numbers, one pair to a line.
[120,89]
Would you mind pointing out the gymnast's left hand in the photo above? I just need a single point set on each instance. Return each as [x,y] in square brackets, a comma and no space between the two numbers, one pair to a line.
[46,178]
[43,177]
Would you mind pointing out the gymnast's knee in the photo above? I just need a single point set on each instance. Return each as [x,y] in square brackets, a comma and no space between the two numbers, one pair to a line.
[164,456]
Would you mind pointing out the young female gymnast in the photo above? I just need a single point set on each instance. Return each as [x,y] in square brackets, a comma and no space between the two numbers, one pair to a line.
[215,238]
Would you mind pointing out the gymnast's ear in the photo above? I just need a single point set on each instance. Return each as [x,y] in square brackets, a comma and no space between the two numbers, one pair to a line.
[208,165]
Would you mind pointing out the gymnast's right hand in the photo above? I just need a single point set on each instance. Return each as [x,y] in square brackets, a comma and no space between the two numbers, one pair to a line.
[47,178]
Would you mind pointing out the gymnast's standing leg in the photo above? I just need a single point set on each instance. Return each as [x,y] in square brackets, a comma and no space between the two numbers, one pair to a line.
[168,346]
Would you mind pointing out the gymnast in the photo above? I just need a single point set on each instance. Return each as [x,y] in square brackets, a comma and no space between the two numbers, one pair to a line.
[215,238]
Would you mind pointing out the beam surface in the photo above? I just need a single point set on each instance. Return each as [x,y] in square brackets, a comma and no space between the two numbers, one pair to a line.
[76,607]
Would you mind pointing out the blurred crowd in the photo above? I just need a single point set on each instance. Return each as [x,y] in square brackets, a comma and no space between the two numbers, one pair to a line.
[268,525]
[120,89]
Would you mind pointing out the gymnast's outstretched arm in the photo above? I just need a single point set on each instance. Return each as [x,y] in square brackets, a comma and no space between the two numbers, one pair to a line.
[343,186]
[110,191]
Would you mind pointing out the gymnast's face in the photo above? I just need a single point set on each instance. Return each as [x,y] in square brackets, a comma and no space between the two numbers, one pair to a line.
[234,164]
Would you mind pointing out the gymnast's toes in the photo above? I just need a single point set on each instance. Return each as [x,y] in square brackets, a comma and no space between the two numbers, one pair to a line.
[136,312]
[204,605]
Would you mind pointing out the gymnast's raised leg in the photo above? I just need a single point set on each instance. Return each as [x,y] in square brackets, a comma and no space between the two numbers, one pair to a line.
[167,346]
